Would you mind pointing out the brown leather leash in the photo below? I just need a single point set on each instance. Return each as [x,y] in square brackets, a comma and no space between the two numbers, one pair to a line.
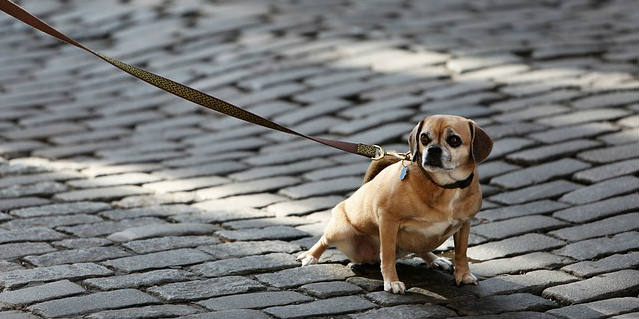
[373,151]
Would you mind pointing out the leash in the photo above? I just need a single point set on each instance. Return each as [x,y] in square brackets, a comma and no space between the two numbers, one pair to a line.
[375,152]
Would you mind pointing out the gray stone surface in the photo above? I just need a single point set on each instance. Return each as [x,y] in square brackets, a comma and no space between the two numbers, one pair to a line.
[93,302]
[184,256]
[88,152]
[609,285]
[513,246]
[332,306]
[255,300]
[201,289]
[154,277]
[40,293]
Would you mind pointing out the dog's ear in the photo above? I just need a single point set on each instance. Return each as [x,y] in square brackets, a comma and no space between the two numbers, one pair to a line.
[481,143]
[413,141]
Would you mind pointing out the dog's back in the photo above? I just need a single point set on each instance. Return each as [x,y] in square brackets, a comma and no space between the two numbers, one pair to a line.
[377,166]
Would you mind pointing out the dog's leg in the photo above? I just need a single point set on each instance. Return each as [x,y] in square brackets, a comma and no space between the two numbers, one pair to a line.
[436,262]
[462,271]
[388,241]
[312,255]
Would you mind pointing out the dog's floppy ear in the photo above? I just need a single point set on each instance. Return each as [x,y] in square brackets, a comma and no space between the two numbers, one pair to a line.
[413,141]
[481,143]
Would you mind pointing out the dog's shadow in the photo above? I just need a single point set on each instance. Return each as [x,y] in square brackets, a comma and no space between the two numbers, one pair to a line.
[438,285]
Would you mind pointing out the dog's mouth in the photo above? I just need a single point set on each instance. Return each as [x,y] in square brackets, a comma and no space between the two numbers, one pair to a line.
[436,168]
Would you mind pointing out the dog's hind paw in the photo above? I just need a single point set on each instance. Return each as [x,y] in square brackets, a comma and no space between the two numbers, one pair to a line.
[396,287]
[307,259]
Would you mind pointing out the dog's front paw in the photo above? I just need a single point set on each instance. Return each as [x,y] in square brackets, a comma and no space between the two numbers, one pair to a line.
[466,278]
[306,259]
[396,287]
[442,264]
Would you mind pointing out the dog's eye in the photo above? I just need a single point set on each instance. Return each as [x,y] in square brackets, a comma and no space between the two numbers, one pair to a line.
[453,140]
[424,138]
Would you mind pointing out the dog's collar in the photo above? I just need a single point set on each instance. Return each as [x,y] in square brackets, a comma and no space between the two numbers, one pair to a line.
[458,184]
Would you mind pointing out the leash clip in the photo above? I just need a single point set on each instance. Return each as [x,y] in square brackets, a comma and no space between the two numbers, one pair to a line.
[379,153]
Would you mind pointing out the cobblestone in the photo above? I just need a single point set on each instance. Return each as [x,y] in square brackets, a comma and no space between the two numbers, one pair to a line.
[608,285]
[89,153]
[40,293]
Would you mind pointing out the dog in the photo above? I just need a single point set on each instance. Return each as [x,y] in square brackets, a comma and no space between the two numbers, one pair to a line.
[413,205]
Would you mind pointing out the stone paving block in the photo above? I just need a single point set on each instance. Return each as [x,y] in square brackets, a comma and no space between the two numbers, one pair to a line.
[513,246]
[516,226]
[211,213]
[103,228]
[543,153]
[387,299]
[254,186]
[20,277]
[22,202]
[511,211]
[534,282]
[265,222]
[25,296]
[43,131]
[605,100]
[405,311]
[158,230]
[42,188]
[504,303]
[592,115]
[325,187]
[331,289]
[209,169]
[498,131]
[61,209]
[599,209]
[597,309]
[186,184]
[591,248]
[253,200]
[11,251]
[512,315]
[201,289]
[114,180]
[610,154]
[571,132]
[29,234]
[145,312]
[536,192]
[231,314]
[151,210]
[102,193]
[77,256]
[609,285]
[333,306]
[305,275]
[245,265]
[168,243]
[254,300]
[53,221]
[304,206]
[626,136]
[494,168]
[509,145]
[608,226]
[602,190]
[272,232]
[82,242]
[63,175]
[539,173]
[608,171]
[608,264]
[247,248]
[93,302]
[184,256]
[150,278]
[16,315]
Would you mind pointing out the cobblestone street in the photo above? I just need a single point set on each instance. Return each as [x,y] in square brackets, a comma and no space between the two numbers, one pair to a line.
[118,200]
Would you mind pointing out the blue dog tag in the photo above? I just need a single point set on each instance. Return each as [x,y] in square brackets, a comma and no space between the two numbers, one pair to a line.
[404,172]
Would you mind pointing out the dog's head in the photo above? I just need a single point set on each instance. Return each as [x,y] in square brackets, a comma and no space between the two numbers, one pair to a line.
[446,143]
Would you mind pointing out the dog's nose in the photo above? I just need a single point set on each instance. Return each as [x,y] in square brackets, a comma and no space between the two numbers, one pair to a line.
[435,150]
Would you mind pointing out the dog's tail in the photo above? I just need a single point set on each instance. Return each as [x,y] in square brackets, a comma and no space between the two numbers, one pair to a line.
[377,166]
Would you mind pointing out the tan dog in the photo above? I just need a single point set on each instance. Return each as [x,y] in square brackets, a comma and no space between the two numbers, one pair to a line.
[413,206]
